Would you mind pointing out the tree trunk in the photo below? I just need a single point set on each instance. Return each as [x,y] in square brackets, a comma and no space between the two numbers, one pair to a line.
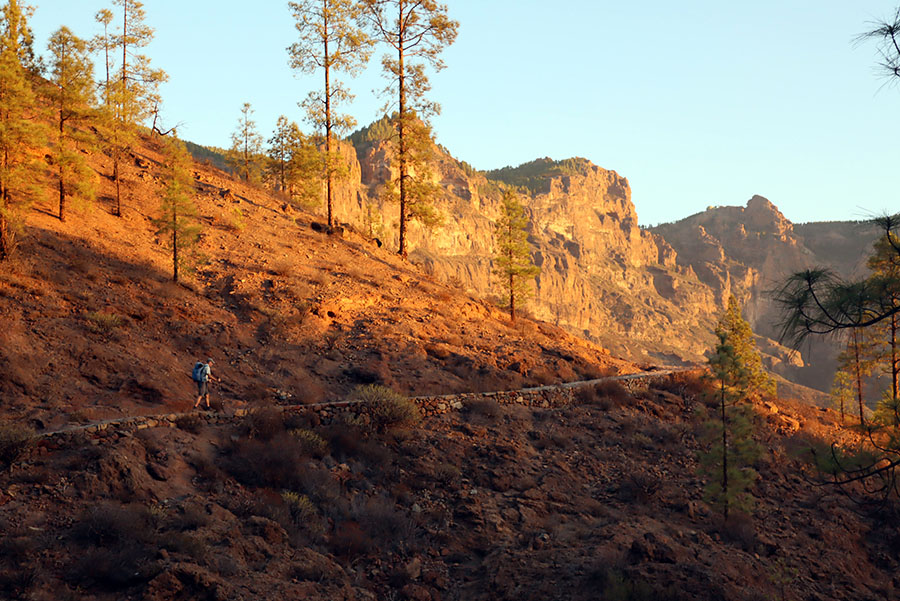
[400,134]
[328,124]
[724,454]
[62,185]
[174,244]
[118,212]
[512,299]
[859,381]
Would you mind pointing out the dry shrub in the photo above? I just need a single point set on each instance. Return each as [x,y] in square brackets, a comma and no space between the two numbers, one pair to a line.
[283,267]
[690,384]
[103,324]
[15,439]
[276,462]
[606,395]
[264,423]
[542,376]
[389,410]
[349,540]
[595,372]
[740,530]
[385,524]
[488,408]
[119,541]
[638,487]
[191,422]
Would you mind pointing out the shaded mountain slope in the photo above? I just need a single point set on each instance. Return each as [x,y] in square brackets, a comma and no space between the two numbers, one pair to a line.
[597,500]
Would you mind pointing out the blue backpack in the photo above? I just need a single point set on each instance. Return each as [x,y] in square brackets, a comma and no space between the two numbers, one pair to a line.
[197,374]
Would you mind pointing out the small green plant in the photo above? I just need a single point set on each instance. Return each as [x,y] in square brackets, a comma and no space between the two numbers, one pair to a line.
[235,219]
[14,441]
[302,509]
[103,323]
[389,410]
[310,442]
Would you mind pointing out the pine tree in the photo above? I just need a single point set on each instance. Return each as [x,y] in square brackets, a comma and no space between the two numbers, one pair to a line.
[331,39]
[885,266]
[842,392]
[130,93]
[246,147]
[512,256]
[71,95]
[21,134]
[732,450]
[177,221]
[294,163]
[858,360]
[740,337]
[280,153]
[417,31]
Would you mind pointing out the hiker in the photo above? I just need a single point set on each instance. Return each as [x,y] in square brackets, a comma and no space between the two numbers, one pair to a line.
[202,375]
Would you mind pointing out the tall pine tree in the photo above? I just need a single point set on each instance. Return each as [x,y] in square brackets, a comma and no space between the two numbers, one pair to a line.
[732,450]
[246,152]
[740,337]
[130,92]
[177,223]
[416,31]
[331,40]
[71,95]
[512,256]
[21,134]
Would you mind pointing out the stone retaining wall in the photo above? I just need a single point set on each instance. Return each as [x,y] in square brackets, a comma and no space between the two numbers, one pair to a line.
[548,397]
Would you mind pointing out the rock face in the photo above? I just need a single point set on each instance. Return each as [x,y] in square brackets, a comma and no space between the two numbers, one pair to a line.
[649,295]
[747,251]
[602,276]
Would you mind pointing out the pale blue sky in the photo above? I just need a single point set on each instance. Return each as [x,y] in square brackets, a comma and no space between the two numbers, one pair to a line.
[699,102]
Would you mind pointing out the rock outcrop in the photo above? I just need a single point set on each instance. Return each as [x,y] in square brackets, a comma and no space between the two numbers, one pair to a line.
[602,276]
[748,251]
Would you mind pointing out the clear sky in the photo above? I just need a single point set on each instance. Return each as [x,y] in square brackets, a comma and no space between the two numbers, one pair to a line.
[697,103]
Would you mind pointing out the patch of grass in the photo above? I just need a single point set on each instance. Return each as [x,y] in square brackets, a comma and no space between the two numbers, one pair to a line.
[102,323]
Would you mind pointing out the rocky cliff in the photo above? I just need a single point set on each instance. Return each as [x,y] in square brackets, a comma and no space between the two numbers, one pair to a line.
[602,276]
[747,251]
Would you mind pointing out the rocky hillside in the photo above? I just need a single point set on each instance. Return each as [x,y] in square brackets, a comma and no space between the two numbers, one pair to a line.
[598,500]
[747,251]
[92,327]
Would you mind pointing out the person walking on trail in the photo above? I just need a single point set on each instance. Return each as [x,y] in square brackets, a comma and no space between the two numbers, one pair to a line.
[202,374]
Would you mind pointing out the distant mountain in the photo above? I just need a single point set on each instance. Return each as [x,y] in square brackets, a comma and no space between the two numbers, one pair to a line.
[747,251]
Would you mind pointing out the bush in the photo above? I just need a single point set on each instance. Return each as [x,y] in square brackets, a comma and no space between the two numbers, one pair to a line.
[276,463]
[103,323]
[312,443]
[15,439]
[389,410]
[189,423]
[264,423]
[606,395]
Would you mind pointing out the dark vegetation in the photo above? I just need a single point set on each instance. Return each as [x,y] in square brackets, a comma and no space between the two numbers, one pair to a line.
[534,176]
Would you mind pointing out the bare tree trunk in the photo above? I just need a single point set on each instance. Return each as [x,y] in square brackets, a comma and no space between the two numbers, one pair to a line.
[403,167]
[859,382]
[724,454]
[328,124]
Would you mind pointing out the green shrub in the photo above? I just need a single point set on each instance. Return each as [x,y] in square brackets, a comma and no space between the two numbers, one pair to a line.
[14,441]
[301,508]
[310,442]
[388,409]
